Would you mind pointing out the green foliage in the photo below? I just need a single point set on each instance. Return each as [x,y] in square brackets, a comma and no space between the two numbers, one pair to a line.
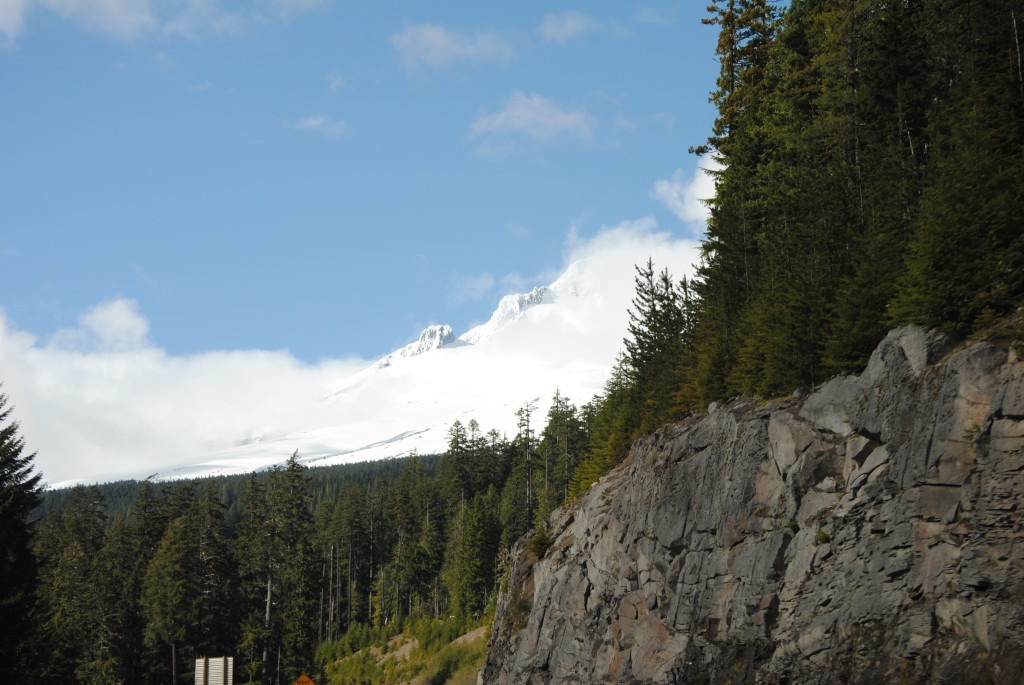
[539,543]
[873,175]
[134,599]
[19,495]
[455,664]
[469,571]
[967,256]
[427,651]
[563,442]
[277,565]
[188,590]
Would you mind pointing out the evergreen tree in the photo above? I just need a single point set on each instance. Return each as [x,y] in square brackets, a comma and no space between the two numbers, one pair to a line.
[610,429]
[188,590]
[657,346]
[468,573]
[116,650]
[66,618]
[348,562]
[215,581]
[527,448]
[169,596]
[729,264]
[892,100]
[19,496]
[455,472]
[277,561]
[561,447]
[967,255]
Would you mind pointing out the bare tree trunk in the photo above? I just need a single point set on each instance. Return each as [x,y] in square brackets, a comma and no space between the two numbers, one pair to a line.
[1016,40]
[266,624]
[348,624]
[320,619]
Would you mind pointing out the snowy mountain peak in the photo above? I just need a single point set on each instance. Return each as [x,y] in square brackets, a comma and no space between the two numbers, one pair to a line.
[509,309]
[432,338]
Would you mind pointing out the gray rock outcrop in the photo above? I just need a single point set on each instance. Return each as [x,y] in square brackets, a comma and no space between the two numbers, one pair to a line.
[870,531]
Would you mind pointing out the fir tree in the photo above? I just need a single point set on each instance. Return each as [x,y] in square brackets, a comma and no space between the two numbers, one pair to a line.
[275,548]
[19,496]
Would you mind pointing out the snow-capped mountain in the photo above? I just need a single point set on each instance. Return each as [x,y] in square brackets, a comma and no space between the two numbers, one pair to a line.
[554,337]
[137,411]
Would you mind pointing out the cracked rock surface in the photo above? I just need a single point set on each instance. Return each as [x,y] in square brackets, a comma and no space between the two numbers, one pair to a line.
[869,531]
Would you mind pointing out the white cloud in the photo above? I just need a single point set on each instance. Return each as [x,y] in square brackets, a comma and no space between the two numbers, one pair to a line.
[113,326]
[332,128]
[536,118]
[561,27]
[436,47]
[12,19]
[685,195]
[102,399]
[130,20]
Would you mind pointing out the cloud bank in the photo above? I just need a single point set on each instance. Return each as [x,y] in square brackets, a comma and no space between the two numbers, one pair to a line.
[102,400]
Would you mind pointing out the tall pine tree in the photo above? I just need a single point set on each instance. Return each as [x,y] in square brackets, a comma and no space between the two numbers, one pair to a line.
[19,496]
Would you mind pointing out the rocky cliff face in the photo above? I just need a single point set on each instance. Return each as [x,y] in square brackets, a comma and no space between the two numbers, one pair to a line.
[870,531]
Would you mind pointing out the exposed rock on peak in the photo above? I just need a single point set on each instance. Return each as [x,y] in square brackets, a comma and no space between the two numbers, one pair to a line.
[432,338]
[510,308]
[866,532]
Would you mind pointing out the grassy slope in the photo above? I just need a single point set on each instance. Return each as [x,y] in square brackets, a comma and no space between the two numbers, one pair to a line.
[425,653]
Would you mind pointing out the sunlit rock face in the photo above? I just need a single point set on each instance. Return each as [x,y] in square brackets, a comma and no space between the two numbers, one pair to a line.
[866,532]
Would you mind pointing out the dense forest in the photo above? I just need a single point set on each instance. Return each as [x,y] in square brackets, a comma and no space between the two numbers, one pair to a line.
[871,174]
[287,570]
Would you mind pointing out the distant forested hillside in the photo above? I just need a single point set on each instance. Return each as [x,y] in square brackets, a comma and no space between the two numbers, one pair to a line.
[289,570]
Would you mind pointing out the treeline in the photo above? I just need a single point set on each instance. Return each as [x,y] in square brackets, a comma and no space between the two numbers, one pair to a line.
[325,483]
[873,176]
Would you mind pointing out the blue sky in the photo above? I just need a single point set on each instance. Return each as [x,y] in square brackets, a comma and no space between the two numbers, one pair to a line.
[329,177]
